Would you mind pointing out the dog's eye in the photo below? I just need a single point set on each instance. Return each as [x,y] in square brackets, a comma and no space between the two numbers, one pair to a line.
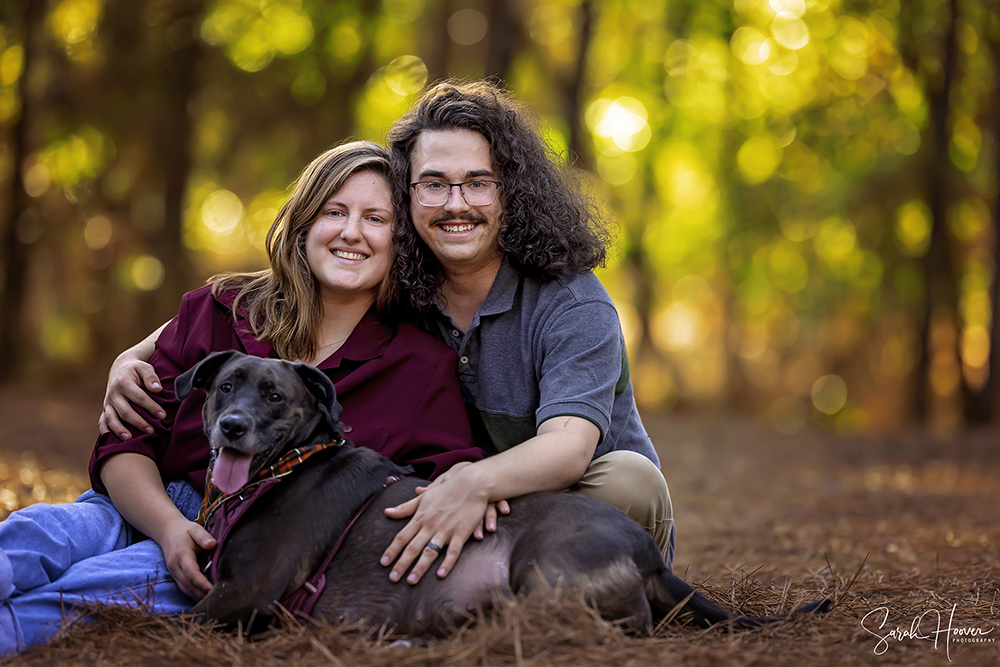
[226,387]
[275,398]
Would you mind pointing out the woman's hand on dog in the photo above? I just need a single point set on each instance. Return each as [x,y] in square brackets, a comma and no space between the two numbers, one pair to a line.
[181,541]
[446,513]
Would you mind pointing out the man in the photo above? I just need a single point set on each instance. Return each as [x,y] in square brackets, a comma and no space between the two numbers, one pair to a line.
[496,257]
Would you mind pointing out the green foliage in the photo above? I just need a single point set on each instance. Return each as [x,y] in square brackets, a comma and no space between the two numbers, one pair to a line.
[767,156]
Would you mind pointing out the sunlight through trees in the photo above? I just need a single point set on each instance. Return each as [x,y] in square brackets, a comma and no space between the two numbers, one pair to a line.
[806,189]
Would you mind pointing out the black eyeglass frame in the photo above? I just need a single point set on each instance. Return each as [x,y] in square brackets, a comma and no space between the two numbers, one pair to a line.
[461,189]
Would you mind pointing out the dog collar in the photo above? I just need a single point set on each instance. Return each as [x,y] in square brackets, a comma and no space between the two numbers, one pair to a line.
[280,468]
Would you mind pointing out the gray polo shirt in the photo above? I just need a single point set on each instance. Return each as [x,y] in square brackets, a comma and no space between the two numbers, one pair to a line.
[537,350]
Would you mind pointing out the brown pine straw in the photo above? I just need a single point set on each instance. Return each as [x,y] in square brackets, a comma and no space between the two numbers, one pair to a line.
[766,523]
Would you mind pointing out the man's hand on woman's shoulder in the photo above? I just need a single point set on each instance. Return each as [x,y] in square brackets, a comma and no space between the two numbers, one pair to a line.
[128,382]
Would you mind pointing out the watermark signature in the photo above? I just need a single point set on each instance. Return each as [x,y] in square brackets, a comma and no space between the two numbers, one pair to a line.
[930,626]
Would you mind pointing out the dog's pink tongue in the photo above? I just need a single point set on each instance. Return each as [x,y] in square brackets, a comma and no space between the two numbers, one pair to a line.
[231,470]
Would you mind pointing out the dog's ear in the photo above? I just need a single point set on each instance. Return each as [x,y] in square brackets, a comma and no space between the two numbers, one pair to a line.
[202,373]
[320,386]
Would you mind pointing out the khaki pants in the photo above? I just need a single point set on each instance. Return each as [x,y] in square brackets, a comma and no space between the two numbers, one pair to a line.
[633,484]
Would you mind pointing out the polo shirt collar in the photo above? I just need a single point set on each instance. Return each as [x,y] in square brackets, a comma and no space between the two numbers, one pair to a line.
[500,298]
[504,289]
[368,340]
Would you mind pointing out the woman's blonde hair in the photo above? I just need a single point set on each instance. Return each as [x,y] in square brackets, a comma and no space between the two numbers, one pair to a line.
[281,303]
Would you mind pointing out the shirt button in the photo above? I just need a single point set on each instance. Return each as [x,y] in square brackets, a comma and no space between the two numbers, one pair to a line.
[347,429]
[456,333]
[464,360]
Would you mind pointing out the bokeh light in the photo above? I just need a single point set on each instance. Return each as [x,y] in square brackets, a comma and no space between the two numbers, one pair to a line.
[146,272]
[829,394]
[913,228]
[623,122]
[222,211]
[97,233]
[767,163]
[406,75]
[467,27]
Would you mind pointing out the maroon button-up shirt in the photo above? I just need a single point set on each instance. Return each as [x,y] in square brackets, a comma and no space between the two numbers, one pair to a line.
[398,388]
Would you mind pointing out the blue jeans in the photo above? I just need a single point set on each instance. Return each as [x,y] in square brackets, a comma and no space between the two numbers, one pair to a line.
[64,555]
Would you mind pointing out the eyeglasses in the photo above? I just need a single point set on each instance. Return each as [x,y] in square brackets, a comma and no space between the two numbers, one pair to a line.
[476,193]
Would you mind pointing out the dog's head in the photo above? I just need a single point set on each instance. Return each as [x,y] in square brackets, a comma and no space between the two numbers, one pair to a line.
[257,408]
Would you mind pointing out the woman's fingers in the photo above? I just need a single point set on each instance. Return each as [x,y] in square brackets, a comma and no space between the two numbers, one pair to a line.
[201,537]
[197,585]
[182,558]
[184,569]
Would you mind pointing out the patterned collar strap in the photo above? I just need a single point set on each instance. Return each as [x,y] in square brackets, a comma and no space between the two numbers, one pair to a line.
[280,468]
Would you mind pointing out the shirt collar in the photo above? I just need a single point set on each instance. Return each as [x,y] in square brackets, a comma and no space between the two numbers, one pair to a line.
[501,295]
[368,340]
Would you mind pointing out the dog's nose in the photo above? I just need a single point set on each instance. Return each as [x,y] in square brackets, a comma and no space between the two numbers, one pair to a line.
[233,426]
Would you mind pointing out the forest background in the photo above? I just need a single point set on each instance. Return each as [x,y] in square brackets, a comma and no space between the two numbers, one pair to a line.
[806,190]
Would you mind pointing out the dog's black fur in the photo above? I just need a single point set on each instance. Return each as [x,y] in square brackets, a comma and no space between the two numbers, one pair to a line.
[547,540]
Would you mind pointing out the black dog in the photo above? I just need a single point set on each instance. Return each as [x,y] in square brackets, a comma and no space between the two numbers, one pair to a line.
[258,409]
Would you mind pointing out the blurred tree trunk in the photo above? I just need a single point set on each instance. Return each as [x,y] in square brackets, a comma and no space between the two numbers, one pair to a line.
[941,293]
[574,89]
[345,120]
[177,83]
[989,396]
[15,252]
[436,42]
[502,37]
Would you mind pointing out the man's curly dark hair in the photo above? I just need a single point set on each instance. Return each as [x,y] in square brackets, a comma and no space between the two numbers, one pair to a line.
[548,226]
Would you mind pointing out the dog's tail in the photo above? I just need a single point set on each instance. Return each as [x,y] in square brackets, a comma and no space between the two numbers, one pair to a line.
[670,597]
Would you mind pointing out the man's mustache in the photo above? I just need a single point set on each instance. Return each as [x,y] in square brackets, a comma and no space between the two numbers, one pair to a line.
[467,217]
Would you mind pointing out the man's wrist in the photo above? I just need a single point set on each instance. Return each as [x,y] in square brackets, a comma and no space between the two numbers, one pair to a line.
[482,481]
[121,360]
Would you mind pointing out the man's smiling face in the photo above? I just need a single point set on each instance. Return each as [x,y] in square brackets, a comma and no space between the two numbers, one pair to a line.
[462,237]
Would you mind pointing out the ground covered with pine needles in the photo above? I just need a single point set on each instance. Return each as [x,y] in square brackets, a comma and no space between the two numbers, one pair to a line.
[900,530]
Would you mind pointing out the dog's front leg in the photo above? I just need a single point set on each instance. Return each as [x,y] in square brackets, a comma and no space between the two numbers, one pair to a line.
[268,555]
[232,605]
[249,584]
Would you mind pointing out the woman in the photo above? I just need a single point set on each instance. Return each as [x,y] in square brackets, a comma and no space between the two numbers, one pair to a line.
[323,301]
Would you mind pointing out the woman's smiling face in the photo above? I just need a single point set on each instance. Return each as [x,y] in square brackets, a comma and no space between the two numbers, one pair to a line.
[349,246]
